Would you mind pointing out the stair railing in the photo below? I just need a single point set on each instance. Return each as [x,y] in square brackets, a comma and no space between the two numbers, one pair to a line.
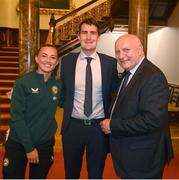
[66,27]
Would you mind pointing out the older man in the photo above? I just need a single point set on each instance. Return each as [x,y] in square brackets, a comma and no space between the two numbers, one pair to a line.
[139,130]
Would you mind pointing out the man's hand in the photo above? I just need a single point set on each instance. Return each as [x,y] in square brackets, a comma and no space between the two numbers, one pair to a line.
[105,126]
[33,156]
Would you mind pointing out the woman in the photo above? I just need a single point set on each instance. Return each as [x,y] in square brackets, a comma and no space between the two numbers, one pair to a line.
[34,101]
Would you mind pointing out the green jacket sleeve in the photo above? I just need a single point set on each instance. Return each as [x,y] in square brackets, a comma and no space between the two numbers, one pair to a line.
[18,110]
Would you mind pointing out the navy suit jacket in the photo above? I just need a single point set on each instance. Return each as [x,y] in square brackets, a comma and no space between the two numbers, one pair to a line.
[109,80]
[140,139]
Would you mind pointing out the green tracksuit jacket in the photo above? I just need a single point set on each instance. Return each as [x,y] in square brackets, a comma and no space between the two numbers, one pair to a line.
[33,107]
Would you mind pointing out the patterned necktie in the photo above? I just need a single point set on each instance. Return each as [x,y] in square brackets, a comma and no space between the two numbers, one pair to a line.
[124,83]
[88,89]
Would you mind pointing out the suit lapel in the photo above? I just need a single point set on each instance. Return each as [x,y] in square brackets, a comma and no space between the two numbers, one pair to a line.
[132,82]
[103,72]
[73,67]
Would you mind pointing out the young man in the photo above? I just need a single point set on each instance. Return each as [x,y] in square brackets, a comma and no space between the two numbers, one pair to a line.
[140,139]
[32,128]
[80,128]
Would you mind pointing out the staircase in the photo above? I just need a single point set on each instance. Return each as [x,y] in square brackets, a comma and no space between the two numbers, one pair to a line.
[66,40]
[9,66]
[63,31]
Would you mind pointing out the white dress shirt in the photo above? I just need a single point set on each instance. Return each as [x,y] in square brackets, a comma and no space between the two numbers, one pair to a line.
[79,92]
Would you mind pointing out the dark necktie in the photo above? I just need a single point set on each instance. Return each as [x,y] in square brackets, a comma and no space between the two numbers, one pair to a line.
[120,90]
[88,89]
[124,83]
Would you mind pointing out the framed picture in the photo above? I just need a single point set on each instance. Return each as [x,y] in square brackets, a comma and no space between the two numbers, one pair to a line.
[60,7]
[55,6]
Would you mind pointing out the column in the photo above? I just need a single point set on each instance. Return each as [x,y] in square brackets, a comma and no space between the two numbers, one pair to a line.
[28,34]
[138,20]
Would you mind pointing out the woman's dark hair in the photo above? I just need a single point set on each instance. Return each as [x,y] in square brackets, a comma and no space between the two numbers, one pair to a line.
[45,45]
[37,52]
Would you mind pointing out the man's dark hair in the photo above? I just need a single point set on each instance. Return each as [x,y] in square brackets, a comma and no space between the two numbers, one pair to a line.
[90,21]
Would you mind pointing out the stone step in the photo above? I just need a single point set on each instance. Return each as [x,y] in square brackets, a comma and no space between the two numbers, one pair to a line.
[8,53]
[5,117]
[7,82]
[9,63]
[4,99]
[9,49]
[8,75]
[9,58]
[5,107]
[9,69]
[4,90]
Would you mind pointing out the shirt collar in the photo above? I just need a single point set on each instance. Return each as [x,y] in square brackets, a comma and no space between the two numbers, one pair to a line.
[133,70]
[82,55]
[41,76]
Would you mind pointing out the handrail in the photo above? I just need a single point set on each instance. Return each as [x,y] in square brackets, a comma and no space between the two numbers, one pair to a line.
[66,31]
[53,22]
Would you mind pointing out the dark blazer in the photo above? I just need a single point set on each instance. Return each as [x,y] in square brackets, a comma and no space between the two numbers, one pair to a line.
[109,80]
[140,140]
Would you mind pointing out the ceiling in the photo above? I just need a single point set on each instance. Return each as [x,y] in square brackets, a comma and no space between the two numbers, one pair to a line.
[159,11]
